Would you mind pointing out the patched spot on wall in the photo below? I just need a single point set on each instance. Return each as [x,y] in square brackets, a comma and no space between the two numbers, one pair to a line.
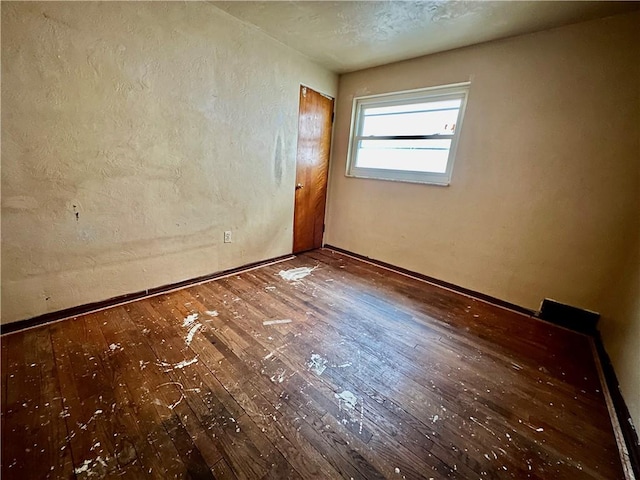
[278,159]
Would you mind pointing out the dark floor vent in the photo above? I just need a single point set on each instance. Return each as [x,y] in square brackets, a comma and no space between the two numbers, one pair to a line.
[574,318]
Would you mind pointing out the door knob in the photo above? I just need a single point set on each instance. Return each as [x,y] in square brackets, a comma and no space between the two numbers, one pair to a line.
[299,186]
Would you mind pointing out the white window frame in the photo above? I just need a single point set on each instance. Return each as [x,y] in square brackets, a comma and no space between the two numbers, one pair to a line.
[458,90]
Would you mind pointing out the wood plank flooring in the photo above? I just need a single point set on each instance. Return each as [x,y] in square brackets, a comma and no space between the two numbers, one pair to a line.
[368,375]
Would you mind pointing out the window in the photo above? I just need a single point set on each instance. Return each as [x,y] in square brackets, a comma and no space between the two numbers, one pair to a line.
[407,136]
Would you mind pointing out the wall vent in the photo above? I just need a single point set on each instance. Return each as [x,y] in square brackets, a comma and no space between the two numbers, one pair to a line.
[567,316]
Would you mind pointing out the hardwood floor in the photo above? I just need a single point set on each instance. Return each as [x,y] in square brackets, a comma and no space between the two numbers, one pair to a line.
[376,375]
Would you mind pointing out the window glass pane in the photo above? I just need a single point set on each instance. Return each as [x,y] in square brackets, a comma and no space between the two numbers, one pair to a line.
[416,119]
[414,107]
[407,155]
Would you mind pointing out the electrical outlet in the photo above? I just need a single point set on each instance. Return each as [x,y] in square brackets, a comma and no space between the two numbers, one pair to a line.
[227,236]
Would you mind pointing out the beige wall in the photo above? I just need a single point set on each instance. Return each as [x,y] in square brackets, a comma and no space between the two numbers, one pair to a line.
[544,199]
[620,327]
[160,125]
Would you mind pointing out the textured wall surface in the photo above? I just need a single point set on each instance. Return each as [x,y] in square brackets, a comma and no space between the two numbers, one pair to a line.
[545,193]
[133,135]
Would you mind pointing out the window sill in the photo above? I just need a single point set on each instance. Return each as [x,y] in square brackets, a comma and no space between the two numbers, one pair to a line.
[436,183]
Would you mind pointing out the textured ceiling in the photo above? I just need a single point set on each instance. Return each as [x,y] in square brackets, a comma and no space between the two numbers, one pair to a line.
[347,36]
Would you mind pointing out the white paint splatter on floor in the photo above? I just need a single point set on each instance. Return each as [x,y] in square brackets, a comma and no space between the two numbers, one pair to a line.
[114,346]
[192,317]
[276,322]
[346,399]
[174,405]
[280,348]
[88,465]
[185,363]
[93,417]
[182,397]
[191,333]
[344,365]
[212,313]
[179,365]
[295,274]
[317,364]
[278,377]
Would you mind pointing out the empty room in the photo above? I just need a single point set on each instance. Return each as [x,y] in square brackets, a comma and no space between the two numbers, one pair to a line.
[308,239]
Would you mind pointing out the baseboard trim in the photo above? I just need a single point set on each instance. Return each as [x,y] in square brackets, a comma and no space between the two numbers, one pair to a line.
[59,315]
[626,434]
[437,282]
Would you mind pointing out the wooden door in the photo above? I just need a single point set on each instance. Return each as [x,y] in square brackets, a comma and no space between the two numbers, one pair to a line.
[314,142]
